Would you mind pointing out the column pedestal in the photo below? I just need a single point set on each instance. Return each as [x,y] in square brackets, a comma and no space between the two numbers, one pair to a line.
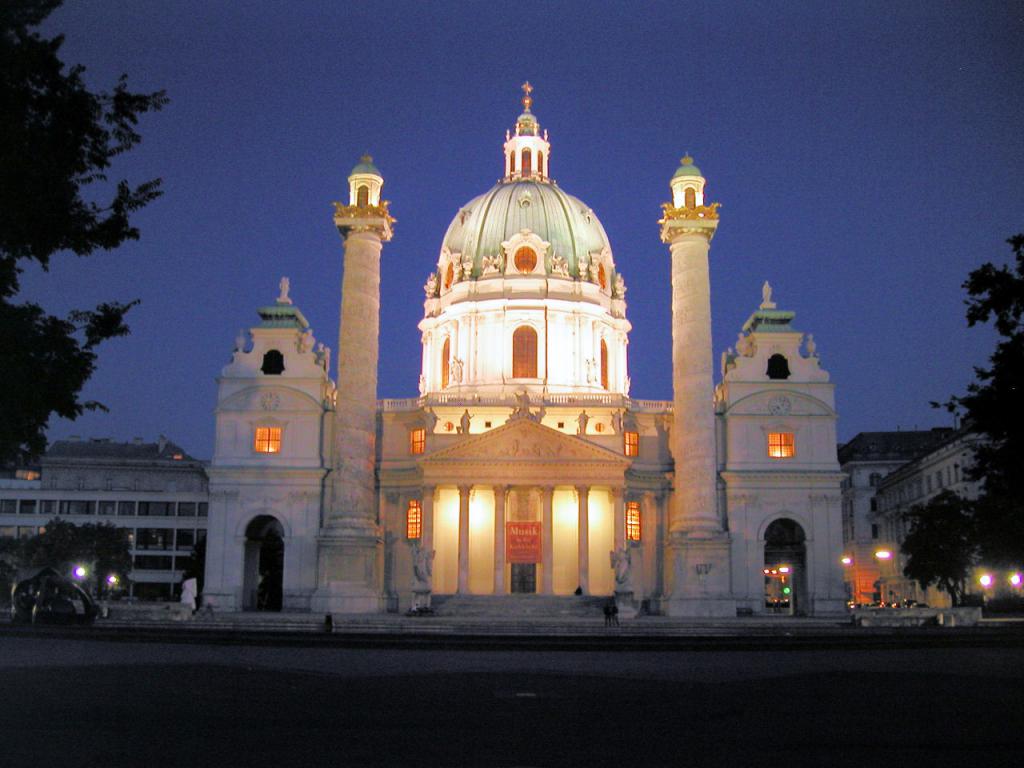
[701,583]
[350,570]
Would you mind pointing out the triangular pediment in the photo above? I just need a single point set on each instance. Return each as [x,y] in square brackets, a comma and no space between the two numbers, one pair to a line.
[523,441]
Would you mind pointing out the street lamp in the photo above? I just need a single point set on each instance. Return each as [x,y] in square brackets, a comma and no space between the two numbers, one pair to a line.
[986,580]
[883,554]
[846,560]
[1015,579]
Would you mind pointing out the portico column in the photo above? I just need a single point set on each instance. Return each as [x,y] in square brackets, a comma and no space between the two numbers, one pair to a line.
[583,492]
[654,538]
[547,541]
[619,511]
[427,505]
[464,539]
[499,539]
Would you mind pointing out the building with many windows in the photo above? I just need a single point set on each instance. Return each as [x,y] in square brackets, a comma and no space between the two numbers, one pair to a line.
[943,467]
[865,461]
[524,466]
[154,490]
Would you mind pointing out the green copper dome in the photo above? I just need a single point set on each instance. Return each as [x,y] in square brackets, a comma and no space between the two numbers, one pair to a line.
[567,223]
[365,166]
[687,168]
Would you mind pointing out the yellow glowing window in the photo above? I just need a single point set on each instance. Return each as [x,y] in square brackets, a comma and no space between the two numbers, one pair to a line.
[602,277]
[631,443]
[417,440]
[524,353]
[781,445]
[525,260]
[414,520]
[268,440]
[632,521]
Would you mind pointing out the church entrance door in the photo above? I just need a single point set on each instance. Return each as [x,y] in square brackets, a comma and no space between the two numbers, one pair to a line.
[524,578]
[785,568]
[264,565]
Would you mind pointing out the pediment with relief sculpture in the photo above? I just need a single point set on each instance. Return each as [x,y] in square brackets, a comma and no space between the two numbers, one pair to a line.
[521,443]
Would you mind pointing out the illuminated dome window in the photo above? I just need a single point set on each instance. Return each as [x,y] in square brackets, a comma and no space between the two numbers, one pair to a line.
[449,276]
[526,260]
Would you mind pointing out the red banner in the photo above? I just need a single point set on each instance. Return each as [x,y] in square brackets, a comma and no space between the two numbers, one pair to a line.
[522,542]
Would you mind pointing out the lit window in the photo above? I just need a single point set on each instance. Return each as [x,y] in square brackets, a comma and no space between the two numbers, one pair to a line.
[780,445]
[602,277]
[449,276]
[414,520]
[525,260]
[633,520]
[631,443]
[446,351]
[268,440]
[690,198]
[604,365]
[417,440]
[363,196]
[524,353]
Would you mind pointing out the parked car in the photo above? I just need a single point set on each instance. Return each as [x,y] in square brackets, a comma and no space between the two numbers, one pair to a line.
[47,597]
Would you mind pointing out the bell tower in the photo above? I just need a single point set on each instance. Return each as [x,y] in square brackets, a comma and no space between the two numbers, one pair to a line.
[349,574]
[697,537]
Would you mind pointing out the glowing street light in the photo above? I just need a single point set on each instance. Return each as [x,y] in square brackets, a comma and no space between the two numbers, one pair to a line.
[783,569]
[112,580]
[883,554]
[79,572]
[846,560]
[1015,579]
[986,580]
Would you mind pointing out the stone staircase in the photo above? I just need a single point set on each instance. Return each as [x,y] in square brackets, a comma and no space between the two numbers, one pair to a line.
[518,607]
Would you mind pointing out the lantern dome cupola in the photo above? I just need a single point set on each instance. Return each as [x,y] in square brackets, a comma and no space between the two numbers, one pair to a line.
[527,152]
[687,185]
[365,183]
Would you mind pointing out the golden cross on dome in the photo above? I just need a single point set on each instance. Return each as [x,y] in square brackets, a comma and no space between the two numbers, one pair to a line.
[527,100]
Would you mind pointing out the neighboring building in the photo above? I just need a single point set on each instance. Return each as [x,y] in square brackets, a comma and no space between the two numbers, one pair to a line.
[866,460]
[942,468]
[524,466]
[155,490]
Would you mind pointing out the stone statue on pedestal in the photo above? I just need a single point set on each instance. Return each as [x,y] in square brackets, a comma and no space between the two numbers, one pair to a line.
[622,564]
[464,422]
[581,423]
[422,577]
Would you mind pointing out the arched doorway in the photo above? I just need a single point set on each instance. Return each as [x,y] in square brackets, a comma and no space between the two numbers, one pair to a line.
[263,582]
[785,568]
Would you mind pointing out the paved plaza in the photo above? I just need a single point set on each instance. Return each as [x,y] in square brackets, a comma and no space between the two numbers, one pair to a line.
[73,700]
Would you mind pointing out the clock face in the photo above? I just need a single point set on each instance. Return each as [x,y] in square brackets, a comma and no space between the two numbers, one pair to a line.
[779,406]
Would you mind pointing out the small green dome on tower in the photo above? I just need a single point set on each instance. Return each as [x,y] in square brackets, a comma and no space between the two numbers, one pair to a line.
[365,166]
[687,168]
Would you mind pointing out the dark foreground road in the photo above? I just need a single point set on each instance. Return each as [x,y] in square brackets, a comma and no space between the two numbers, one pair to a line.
[80,702]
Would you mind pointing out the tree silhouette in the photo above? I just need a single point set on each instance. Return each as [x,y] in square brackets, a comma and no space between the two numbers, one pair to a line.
[58,142]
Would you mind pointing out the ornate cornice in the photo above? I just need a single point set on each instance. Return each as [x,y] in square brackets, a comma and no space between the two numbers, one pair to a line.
[699,220]
[364,218]
[671,213]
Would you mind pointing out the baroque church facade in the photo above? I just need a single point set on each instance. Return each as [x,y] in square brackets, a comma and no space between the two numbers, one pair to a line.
[524,466]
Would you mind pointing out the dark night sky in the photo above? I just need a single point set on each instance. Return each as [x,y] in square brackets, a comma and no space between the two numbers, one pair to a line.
[866,155]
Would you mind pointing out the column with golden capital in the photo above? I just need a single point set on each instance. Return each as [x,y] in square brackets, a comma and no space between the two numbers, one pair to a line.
[350,540]
[699,543]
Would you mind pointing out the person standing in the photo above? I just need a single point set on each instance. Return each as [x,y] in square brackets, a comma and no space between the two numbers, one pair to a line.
[189,591]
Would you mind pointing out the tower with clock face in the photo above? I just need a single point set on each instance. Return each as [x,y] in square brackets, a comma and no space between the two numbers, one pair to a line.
[779,476]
